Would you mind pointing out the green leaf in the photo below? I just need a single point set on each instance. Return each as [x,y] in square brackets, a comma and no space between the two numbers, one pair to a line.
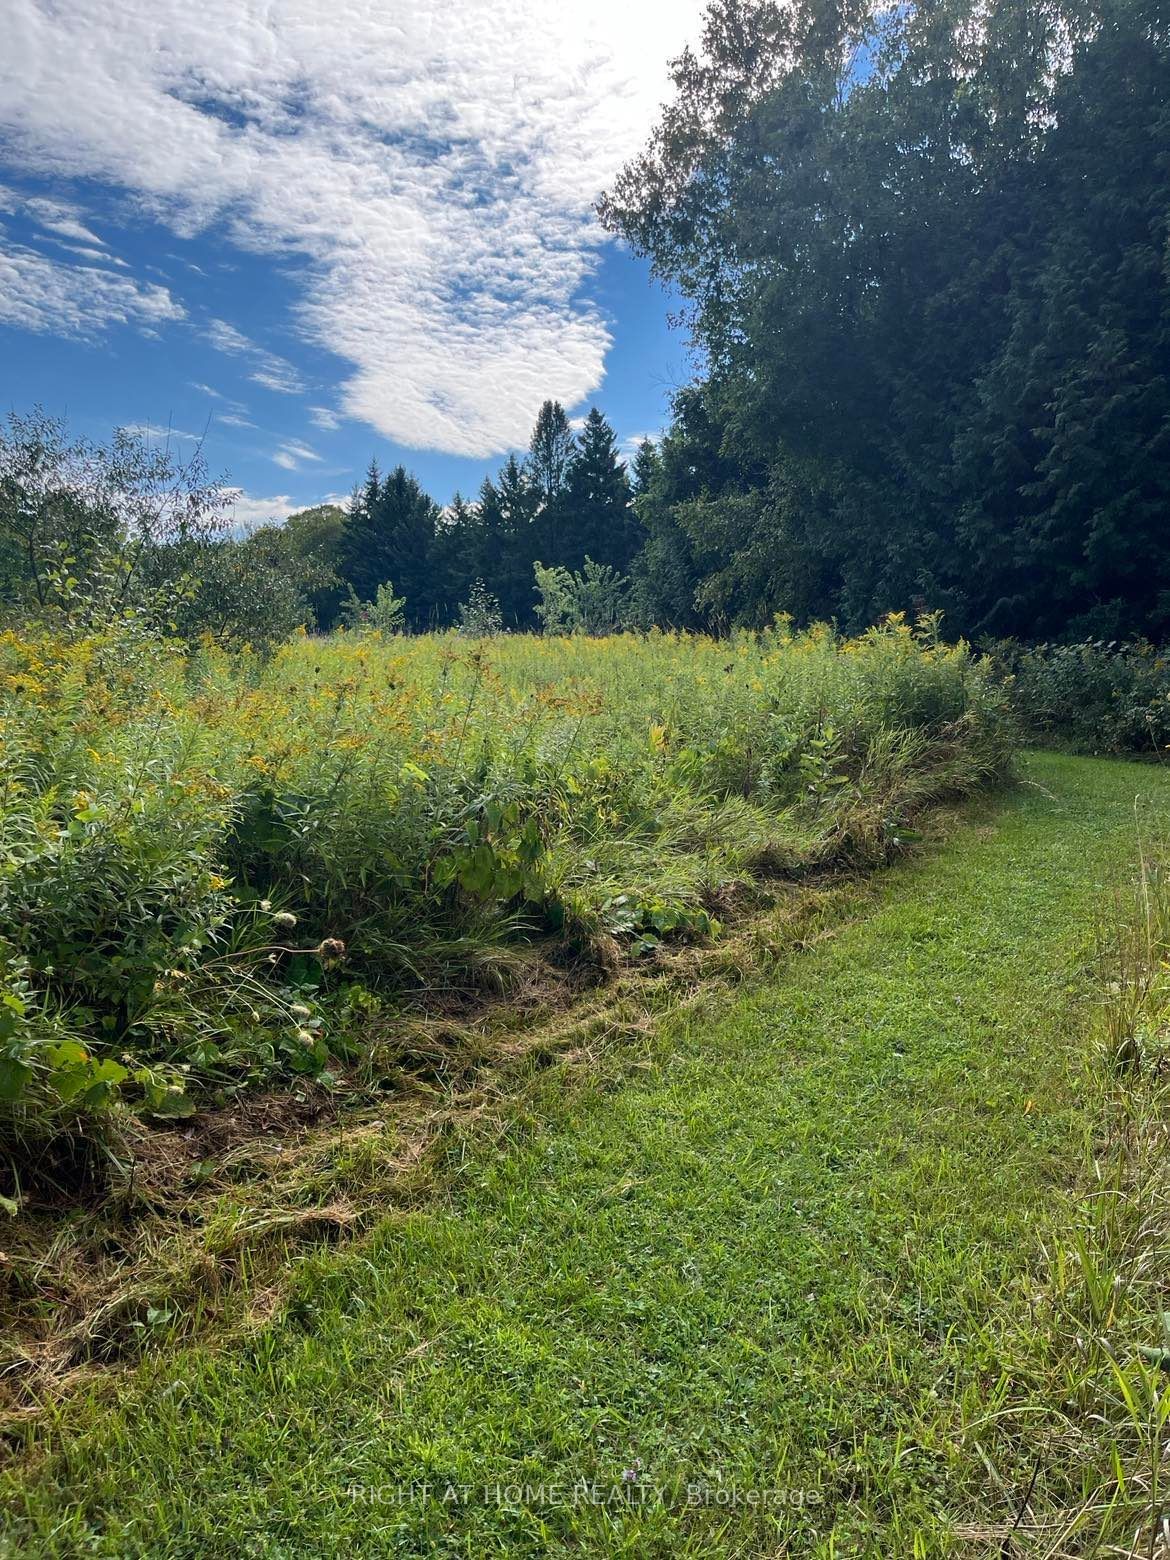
[14,1077]
[172,1105]
[69,1053]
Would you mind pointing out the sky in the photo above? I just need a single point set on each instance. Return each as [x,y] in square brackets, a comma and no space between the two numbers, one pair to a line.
[312,232]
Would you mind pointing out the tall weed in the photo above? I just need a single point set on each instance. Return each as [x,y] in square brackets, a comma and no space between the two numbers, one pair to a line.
[212,860]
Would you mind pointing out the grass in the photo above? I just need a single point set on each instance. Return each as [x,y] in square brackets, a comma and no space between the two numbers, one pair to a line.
[771,1291]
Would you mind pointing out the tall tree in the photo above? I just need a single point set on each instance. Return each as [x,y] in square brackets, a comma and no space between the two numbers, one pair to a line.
[508,508]
[550,458]
[389,537]
[674,482]
[551,451]
[922,248]
[600,523]
[312,543]
[457,558]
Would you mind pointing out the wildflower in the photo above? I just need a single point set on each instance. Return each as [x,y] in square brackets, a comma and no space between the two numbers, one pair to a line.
[266,904]
[299,1010]
[284,918]
[305,1037]
[332,948]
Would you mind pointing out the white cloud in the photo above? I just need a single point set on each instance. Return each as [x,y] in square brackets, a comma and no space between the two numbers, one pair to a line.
[247,510]
[234,420]
[60,224]
[632,442]
[209,390]
[58,216]
[429,168]
[101,256]
[157,435]
[265,368]
[323,418]
[37,293]
[292,455]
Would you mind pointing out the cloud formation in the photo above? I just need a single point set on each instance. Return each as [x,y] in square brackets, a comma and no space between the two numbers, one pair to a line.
[245,511]
[293,454]
[40,294]
[264,368]
[155,434]
[427,170]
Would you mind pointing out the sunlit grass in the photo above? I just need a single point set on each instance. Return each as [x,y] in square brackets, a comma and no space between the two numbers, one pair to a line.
[815,1245]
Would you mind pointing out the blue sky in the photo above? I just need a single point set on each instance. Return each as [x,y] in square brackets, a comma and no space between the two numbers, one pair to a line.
[313,231]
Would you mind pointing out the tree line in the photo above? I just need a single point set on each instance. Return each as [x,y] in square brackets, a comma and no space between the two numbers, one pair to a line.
[925,256]
[925,253]
[571,499]
[90,531]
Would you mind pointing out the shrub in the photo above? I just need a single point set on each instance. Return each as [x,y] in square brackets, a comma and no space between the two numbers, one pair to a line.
[592,601]
[1097,697]
[480,616]
[208,856]
[384,615]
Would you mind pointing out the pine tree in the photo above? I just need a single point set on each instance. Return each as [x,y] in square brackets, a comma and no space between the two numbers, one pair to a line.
[550,457]
[518,501]
[600,522]
[647,464]
[456,557]
[551,452]
[390,535]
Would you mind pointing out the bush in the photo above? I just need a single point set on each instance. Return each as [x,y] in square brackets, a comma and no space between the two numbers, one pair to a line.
[480,616]
[212,859]
[1097,697]
[386,614]
[592,601]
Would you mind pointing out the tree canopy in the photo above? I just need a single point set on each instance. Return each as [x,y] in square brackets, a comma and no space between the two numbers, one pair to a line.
[924,250]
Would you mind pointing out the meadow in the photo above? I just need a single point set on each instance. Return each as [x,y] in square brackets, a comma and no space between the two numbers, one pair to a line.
[222,871]
[537,966]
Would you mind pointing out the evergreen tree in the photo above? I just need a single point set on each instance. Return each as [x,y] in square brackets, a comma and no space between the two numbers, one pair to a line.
[550,457]
[390,535]
[647,465]
[600,523]
[551,452]
[507,511]
[674,481]
[456,558]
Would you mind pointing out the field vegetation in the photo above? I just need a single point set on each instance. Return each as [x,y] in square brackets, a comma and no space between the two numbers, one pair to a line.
[882,1231]
[487,877]
[223,870]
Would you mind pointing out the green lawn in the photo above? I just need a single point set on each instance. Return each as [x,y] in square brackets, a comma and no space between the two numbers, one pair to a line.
[744,1303]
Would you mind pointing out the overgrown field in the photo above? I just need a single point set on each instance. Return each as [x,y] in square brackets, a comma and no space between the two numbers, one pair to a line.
[219,870]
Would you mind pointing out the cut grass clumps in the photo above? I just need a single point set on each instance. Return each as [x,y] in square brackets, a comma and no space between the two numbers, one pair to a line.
[224,872]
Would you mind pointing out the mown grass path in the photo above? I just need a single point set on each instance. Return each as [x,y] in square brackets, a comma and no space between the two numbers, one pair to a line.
[766,1279]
